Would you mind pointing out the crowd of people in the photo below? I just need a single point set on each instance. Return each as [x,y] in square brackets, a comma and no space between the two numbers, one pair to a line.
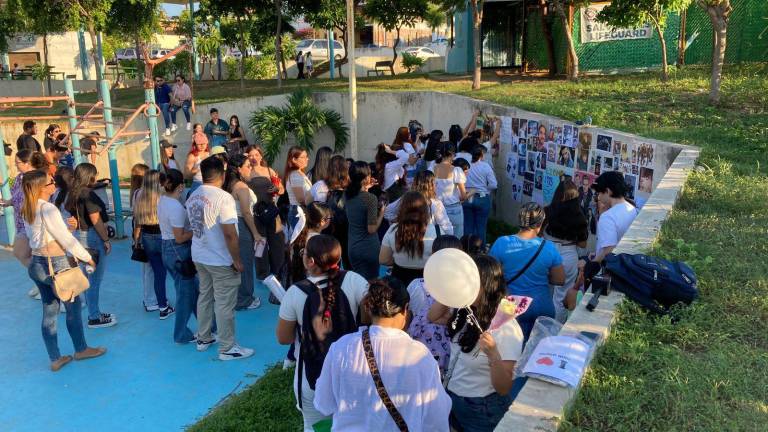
[347,242]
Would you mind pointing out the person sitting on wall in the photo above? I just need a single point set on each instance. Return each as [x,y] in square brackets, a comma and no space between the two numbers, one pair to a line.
[27,139]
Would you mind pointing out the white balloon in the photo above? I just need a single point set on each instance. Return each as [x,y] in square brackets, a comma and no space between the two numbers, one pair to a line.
[452,278]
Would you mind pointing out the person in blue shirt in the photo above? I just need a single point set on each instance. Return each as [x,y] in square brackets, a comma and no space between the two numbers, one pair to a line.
[163,100]
[516,251]
[217,130]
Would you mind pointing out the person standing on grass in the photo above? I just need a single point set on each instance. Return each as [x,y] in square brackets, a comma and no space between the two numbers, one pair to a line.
[27,139]
[213,217]
[50,240]
[308,64]
[300,65]
[217,130]
[163,99]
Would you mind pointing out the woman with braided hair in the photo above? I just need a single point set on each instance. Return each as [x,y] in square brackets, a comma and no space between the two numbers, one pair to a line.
[405,367]
[319,310]
[530,264]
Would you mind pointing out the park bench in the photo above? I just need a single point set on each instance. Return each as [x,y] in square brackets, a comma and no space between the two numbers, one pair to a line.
[381,67]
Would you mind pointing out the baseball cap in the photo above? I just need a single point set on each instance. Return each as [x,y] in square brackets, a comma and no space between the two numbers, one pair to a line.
[165,144]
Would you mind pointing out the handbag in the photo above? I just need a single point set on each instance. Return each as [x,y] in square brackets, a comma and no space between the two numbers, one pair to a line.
[69,283]
[396,416]
[138,254]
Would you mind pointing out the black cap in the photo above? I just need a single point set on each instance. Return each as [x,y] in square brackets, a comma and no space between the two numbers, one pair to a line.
[612,180]
[165,144]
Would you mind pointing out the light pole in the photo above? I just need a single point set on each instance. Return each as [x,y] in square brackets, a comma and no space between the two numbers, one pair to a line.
[352,79]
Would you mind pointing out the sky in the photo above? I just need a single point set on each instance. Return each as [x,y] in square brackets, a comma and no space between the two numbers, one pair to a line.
[173,9]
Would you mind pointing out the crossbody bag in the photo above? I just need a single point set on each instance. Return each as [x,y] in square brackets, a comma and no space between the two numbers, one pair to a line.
[396,416]
[69,283]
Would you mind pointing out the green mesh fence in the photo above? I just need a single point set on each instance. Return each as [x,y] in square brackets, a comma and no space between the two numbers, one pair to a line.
[747,33]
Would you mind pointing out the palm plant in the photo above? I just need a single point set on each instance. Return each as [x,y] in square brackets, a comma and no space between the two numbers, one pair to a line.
[301,118]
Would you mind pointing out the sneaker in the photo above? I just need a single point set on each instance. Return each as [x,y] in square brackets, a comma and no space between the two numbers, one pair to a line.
[287,364]
[167,132]
[203,345]
[105,320]
[34,292]
[255,304]
[174,127]
[235,353]
[165,313]
[189,126]
[151,308]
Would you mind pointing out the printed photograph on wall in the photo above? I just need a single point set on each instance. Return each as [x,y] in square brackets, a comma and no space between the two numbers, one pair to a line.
[617,148]
[582,154]
[607,164]
[634,170]
[522,147]
[584,181]
[550,183]
[541,160]
[517,190]
[529,176]
[565,156]
[551,152]
[568,136]
[533,128]
[516,127]
[597,164]
[538,181]
[625,152]
[632,183]
[521,166]
[511,166]
[645,154]
[528,188]
[523,131]
[604,143]
[541,137]
[556,134]
[645,183]
[532,158]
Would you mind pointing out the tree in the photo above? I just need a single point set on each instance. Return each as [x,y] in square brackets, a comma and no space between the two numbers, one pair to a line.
[137,20]
[92,15]
[300,118]
[43,17]
[635,13]
[393,15]
[477,20]
[719,12]
[332,14]
[434,17]
[10,22]
[208,43]
[451,7]
[560,5]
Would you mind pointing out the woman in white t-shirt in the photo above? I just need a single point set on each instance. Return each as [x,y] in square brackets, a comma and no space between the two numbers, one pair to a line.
[346,390]
[297,184]
[320,171]
[481,369]
[407,244]
[449,187]
[424,182]
[177,253]
[321,260]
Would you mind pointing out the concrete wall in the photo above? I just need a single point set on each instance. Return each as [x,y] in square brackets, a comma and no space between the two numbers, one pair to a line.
[30,87]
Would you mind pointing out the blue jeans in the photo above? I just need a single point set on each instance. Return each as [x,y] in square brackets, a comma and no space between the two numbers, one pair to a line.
[38,272]
[184,107]
[476,211]
[152,244]
[91,240]
[166,115]
[186,288]
[478,414]
[245,294]
[456,215]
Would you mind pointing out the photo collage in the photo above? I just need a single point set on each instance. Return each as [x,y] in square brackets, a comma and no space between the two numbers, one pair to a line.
[543,152]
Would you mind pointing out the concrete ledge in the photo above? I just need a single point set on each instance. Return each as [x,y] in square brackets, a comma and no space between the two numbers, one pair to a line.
[541,406]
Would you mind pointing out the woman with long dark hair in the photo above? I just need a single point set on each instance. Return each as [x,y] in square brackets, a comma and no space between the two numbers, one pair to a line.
[364,215]
[481,371]
[408,242]
[567,228]
[167,156]
[481,181]
[51,240]
[92,217]
[321,166]
[336,182]
[238,172]
[449,186]
[318,219]
[335,288]
[424,182]
[237,139]
[297,183]
[432,148]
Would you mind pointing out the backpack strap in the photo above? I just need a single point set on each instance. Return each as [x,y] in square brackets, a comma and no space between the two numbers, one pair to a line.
[396,416]
[530,262]
[306,286]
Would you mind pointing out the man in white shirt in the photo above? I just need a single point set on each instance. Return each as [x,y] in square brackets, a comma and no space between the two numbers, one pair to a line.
[215,252]
[615,221]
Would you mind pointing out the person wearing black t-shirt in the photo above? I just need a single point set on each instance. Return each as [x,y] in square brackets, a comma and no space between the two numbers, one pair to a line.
[91,214]
[27,139]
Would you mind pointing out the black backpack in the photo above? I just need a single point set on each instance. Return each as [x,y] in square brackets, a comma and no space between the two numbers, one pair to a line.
[313,351]
[654,283]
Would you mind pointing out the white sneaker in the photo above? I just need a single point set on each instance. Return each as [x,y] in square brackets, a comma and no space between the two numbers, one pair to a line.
[174,127]
[287,364]
[189,126]
[167,132]
[34,292]
[37,296]
[203,345]
[255,304]
[235,353]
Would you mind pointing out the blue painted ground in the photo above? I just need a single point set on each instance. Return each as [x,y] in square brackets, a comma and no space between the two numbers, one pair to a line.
[144,383]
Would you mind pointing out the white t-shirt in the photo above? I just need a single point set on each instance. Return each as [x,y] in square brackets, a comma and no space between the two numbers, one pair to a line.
[297,180]
[416,290]
[393,170]
[463,155]
[208,208]
[613,224]
[437,216]
[170,214]
[319,191]
[472,374]
[401,257]
[481,177]
[410,374]
[446,189]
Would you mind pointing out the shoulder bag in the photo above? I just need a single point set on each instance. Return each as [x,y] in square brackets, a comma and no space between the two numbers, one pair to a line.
[530,262]
[69,283]
[396,416]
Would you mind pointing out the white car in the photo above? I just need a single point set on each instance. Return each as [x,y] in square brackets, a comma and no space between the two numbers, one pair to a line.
[157,53]
[421,52]
[126,54]
[319,49]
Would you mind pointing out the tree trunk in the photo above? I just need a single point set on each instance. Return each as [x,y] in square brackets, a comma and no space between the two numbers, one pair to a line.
[664,65]
[242,53]
[45,63]
[451,40]
[546,26]
[681,47]
[278,48]
[137,41]
[573,72]
[477,19]
[718,15]
[394,48]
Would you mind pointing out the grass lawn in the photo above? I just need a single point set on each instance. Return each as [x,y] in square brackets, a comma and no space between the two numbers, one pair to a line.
[708,371]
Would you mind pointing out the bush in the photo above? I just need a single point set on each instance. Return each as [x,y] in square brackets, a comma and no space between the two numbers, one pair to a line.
[254,68]
[411,61]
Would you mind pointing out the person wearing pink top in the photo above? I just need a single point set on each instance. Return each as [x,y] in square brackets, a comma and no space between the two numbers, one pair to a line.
[181,98]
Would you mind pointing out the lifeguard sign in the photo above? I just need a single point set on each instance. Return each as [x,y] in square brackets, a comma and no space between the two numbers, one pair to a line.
[594,31]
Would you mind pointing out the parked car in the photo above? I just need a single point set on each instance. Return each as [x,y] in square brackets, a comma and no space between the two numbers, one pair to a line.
[235,53]
[127,54]
[421,52]
[319,48]
[157,53]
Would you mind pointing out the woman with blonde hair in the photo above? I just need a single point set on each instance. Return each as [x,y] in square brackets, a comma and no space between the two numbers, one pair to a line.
[147,276]
[50,241]
[147,235]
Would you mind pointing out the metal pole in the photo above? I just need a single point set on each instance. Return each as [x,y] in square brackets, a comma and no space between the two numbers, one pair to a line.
[154,134]
[218,50]
[6,62]
[112,152]
[331,60]
[83,55]
[352,79]
[72,113]
[195,62]
[10,224]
